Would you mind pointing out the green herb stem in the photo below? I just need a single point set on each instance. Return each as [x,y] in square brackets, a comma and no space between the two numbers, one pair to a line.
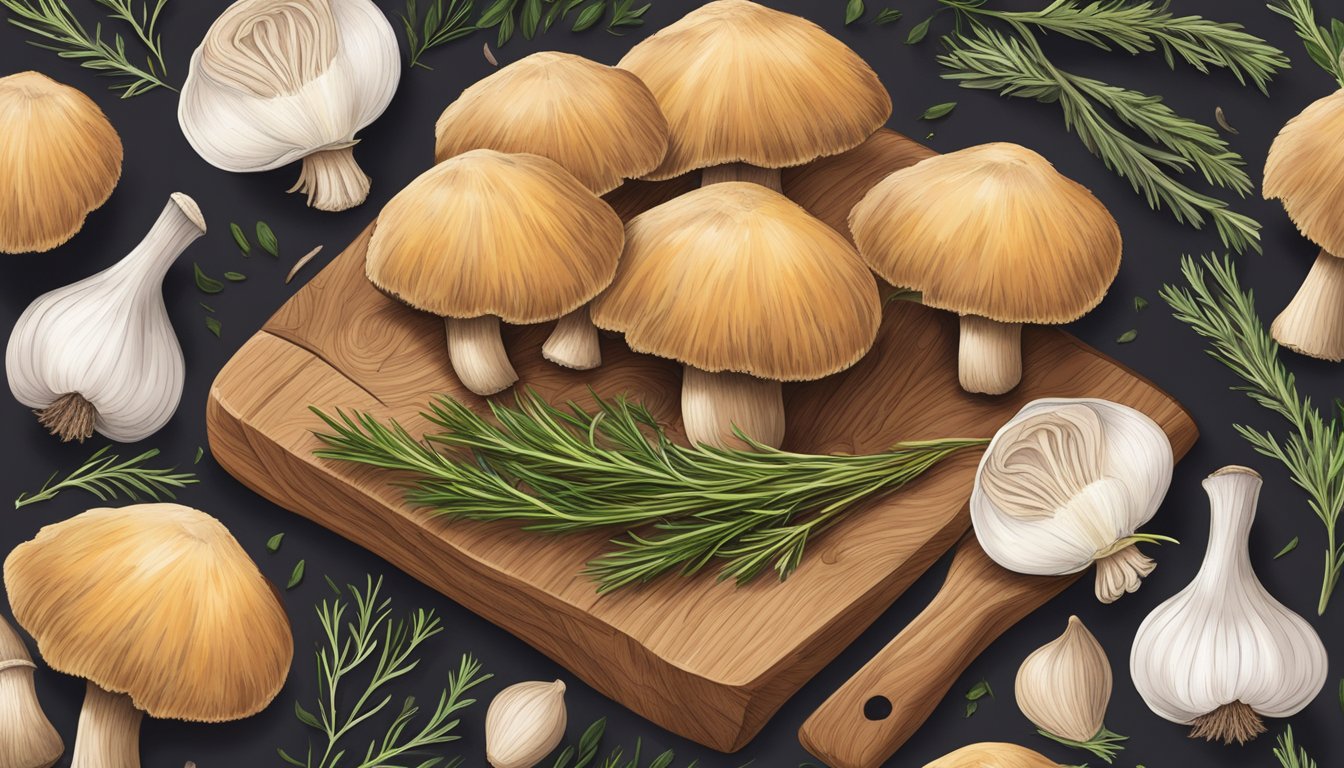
[1105,745]
[1290,755]
[107,477]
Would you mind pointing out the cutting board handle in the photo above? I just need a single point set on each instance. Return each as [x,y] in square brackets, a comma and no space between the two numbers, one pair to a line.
[882,705]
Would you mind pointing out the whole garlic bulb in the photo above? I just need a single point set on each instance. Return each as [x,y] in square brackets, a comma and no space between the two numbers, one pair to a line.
[1223,652]
[524,724]
[1064,686]
[991,754]
[100,354]
[1066,483]
[275,81]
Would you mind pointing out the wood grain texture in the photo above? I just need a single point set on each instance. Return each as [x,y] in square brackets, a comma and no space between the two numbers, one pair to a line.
[707,660]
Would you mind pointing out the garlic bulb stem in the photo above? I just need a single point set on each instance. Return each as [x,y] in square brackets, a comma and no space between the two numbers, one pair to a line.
[477,353]
[100,354]
[574,342]
[332,180]
[989,355]
[109,731]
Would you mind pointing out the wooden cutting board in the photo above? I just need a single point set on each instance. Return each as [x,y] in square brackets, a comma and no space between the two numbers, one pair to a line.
[706,660]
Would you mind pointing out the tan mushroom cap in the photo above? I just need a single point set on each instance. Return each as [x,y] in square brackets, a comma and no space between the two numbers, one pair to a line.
[994,231]
[740,82]
[157,601]
[599,123]
[993,755]
[61,159]
[736,277]
[1305,170]
[485,233]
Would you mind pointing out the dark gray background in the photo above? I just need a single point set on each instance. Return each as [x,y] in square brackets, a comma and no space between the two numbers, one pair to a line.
[397,147]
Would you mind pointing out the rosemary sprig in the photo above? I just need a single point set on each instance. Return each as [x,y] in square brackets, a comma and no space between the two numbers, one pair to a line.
[1324,44]
[1313,452]
[379,649]
[145,26]
[55,24]
[589,744]
[107,477]
[444,22]
[1105,745]
[984,58]
[681,509]
[1290,755]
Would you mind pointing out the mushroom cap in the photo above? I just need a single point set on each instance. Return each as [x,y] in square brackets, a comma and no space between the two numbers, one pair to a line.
[485,233]
[1305,170]
[992,230]
[736,277]
[599,123]
[740,82]
[991,754]
[61,159]
[157,601]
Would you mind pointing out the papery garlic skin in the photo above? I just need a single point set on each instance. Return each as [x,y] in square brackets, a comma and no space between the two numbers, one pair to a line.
[1064,686]
[276,81]
[524,724]
[106,342]
[1066,483]
[1223,652]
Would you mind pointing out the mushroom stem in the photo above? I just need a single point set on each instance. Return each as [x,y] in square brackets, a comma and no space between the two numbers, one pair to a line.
[332,180]
[766,177]
[1313,322]
[71,417]
[574,343]
[109,731]
[990,357]
[713,403]
[27,738]
[477,353]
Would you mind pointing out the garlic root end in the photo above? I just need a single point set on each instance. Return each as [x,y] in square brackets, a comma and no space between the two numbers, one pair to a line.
[574,342]
[332,180]
[1235,722]
[1313,322]
[1121,573]
[71,417]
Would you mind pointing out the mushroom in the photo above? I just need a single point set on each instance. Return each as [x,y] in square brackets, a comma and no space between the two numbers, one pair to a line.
[599,123]
[1303,171]
[748,90]
[997,235]
[746,289]
[163,613]
[27,738]
[486,236]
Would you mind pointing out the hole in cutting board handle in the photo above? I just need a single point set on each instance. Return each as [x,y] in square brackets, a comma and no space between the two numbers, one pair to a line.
[877,708]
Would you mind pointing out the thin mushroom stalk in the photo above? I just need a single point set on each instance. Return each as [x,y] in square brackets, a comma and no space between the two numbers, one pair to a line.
[27,738]
[574,343]
[989,357]
[1313,322]
[715,407]
[477,353]
[109,731]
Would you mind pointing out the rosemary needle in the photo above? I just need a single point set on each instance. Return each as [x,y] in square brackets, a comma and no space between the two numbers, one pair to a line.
[107,477]
[569,469]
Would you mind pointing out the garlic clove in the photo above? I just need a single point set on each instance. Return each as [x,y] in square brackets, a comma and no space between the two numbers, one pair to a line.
[524,723]
[1066,483]
[100,354]
[273,83]
[1064,686]
[1222,654]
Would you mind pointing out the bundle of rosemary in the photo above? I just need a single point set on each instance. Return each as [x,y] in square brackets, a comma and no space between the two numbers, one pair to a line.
[570,469]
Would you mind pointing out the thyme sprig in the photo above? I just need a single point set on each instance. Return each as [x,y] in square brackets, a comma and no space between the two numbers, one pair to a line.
[1290,754]
[1135,134]
[679,509]
[1313,451]
[59,30]
[1324,43]
[107,477]
[1105,745]
[444,22]
[369,644]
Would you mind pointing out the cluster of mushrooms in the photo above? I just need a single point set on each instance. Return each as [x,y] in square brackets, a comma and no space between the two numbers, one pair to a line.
[739,283]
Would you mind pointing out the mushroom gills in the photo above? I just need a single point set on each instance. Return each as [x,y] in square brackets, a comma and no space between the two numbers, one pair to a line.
[477,353]
[766,177]
[989,360]
[1313,322]
[109,731]
[712,404]
[574,342]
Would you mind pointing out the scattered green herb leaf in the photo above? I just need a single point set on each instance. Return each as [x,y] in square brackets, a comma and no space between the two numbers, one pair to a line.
[296,575]
[444,22]
[888,16]
[240,238]
[1127,336]
[206,307]
[266,239]
[107,477]
[205,283]
[979,691]
[200,453]
[236,277]
[938,110]
[972,707]
[273,543]
[213,325]
[1289,547]
[1140,303]
[853,11]
[335,589]
[918,32]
